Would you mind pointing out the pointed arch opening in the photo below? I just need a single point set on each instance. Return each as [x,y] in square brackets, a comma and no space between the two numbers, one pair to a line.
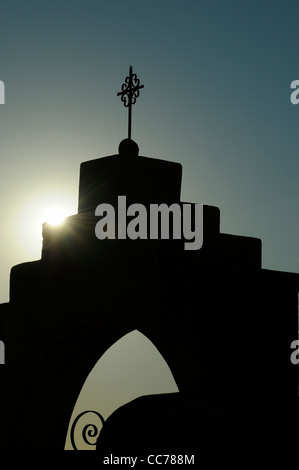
[130,368]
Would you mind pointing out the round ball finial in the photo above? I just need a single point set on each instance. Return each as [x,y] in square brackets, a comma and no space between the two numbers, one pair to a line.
[128,148]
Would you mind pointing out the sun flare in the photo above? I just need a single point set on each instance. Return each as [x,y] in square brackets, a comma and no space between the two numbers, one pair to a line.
[54,215]
[50,207]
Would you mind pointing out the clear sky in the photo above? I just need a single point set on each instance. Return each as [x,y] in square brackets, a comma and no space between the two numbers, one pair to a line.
[217,78]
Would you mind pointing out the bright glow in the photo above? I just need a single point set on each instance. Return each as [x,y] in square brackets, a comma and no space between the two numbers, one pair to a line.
[49,206]
[55,215]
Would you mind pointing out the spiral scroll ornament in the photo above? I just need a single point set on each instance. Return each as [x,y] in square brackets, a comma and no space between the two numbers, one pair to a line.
[90,432]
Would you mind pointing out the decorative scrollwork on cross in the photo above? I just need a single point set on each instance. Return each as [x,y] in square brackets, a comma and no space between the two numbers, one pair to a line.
[129,93]
[89,430]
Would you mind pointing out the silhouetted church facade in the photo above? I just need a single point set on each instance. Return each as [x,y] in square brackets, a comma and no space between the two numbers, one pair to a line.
[223,324]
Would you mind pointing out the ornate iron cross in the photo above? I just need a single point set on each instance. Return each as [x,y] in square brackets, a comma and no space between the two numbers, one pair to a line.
[129,94]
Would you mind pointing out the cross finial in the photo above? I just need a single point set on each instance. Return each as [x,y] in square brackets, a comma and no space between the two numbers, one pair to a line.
[129,94]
